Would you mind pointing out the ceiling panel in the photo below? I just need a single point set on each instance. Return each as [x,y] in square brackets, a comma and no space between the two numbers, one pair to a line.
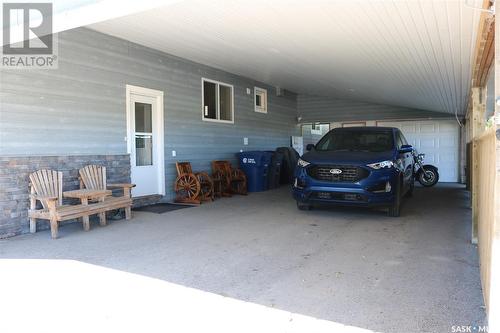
[416,54]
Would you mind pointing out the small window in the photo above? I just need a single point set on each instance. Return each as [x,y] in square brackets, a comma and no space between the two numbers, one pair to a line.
[316,129]
[260,100]
[217,101]
[319,129]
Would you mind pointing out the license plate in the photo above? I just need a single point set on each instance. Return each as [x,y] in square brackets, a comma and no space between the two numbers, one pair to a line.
[324,195]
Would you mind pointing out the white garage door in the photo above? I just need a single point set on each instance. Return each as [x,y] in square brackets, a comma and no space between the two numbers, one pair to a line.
[438,139]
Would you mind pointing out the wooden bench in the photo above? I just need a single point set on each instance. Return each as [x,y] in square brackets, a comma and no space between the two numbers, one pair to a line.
[46,187]
[56,213]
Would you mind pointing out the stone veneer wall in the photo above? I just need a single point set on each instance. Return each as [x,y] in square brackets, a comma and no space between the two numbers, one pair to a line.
[14,183]
[148,200]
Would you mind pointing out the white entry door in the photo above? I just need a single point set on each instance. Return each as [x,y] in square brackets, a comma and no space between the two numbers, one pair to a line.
[145,140]
[438,139]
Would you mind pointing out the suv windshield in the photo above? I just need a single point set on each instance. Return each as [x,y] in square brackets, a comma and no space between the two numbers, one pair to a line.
[357,140]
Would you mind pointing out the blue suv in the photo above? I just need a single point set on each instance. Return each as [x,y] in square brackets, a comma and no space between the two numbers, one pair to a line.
[356,166]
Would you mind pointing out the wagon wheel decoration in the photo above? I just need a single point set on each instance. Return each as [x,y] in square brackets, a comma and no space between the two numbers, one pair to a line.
[225,182]
[240,181]
[187,188]
[217,180]
[227,179]
[207,186]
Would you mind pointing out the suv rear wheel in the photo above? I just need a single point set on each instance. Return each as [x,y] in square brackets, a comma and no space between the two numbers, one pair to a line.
[395,209]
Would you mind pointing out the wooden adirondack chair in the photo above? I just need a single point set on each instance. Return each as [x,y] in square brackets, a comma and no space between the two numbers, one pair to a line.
[233,180]
[192,187]
[93,177]
[46,187]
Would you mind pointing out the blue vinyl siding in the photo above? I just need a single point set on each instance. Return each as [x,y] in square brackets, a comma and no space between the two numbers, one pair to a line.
[80,107]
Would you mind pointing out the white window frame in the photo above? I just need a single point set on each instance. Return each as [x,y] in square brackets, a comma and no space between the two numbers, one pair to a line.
[217,101]
[262,92]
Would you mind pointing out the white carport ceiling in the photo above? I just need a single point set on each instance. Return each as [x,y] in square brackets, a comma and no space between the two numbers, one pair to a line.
[415,54]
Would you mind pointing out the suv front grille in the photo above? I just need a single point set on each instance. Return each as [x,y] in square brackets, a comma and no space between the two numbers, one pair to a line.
[340,196]
[348,174]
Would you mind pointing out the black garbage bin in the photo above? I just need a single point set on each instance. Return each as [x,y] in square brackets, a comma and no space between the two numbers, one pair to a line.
[290,157]
[275,170]
[255,165]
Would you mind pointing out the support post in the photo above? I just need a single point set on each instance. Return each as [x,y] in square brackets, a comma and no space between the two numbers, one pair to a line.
[476,127]
[494,294]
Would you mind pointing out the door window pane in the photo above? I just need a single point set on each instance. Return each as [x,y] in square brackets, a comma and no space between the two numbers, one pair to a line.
[209,100]
[225,103]
[143,150]
[143,118]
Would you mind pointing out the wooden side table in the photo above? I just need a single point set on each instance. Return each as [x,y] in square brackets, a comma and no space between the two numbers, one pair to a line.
[85,195]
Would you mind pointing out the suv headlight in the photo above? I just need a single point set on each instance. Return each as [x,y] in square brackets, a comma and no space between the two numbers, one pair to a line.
[381,165]
[302,163]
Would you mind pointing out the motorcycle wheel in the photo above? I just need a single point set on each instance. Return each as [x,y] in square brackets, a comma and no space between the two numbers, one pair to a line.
[428,177]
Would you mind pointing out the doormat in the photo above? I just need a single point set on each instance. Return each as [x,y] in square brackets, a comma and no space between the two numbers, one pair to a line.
[161,208]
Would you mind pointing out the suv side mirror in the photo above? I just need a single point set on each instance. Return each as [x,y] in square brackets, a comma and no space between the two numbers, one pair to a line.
[406,149]
[309,147]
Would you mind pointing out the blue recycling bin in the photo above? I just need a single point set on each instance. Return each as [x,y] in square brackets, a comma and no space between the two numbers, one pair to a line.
[255,165]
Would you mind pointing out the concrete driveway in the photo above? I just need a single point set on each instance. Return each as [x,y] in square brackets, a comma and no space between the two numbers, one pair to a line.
[354,270]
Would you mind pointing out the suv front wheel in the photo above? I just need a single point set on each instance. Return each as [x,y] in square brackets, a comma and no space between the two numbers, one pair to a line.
[303,206]
[395,209]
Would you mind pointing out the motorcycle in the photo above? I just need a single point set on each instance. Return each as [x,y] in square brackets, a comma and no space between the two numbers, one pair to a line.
[426,174]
